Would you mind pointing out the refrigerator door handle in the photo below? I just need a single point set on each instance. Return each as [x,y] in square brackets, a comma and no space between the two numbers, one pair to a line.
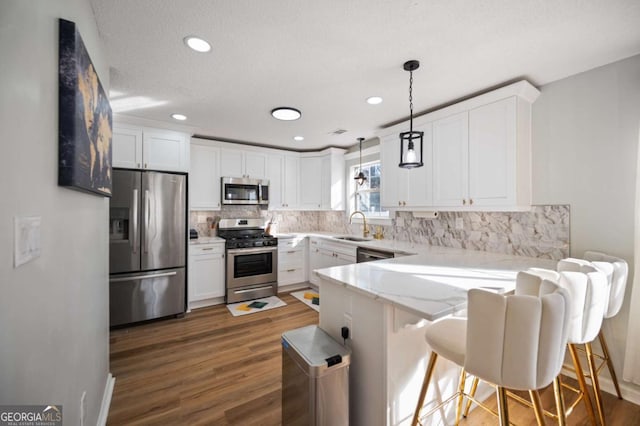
[147,219]
[133,218]
[142,277]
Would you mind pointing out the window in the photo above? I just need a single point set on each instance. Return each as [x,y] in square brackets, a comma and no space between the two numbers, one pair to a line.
[366,197]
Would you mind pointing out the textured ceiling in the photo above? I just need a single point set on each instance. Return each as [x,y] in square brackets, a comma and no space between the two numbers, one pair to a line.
[325,57]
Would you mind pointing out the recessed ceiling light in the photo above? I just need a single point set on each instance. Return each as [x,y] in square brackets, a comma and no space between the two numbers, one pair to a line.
[374,100]
[197,44]
[286,113]
[298,138]
[180,117]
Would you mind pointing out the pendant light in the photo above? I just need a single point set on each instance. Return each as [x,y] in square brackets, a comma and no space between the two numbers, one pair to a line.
[409,158]
[360,178]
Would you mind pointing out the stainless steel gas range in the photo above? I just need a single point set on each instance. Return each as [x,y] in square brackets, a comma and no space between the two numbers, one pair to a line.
[252,259]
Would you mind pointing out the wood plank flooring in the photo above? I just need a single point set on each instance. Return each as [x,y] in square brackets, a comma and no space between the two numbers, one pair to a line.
[211,368]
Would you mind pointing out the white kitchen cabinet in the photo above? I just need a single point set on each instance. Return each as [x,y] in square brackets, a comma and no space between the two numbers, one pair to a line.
[493,150]
[480,155]
[282,172]
[127,147]
[291,188]
[242,163]
[148,148]
[324,253]
[450,160]
[479,159]
[292,260]
[324,180]
[204,176]
[311,196]
[404,188]
[206,274]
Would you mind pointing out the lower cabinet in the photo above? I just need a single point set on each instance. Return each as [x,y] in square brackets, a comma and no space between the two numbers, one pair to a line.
[292,254]
[325,254]
[206,274]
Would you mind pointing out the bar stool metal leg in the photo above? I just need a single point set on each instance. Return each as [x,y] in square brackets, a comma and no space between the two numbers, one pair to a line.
[472,393]
[557,391]
[537,406]
[463,376]
[503,408]
[583,383]
[612,372]
[425,386]
[593,370]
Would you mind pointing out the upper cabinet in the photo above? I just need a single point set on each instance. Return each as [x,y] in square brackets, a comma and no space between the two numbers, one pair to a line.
[282,172]
[204,176]
[240,163]
[137,147]
[324,180]
[404,188]
[477,155]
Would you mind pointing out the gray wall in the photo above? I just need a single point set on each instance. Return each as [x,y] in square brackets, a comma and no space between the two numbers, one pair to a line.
[585,141]
[54,337]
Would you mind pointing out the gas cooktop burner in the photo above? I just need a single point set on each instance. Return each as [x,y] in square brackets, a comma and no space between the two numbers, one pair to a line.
[245,233]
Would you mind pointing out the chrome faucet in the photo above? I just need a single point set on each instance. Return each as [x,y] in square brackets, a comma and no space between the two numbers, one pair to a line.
[365,229]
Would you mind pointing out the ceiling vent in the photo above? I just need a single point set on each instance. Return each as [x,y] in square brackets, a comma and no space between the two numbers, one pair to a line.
[338,132]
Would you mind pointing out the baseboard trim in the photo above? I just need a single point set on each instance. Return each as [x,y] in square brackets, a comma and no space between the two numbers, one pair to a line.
[629,392]
[106,400]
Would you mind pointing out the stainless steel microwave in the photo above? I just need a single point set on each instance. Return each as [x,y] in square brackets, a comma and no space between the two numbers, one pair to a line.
[245,191]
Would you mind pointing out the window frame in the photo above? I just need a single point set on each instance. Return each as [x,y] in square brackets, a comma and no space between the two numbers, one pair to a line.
[352,189]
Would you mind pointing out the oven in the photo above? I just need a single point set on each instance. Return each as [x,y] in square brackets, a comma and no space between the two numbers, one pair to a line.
[252,273]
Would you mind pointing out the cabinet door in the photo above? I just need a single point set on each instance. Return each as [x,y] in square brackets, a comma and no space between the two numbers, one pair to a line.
[450,160]
[328,194]
[127,147]
[390,174]
[206,276]
[204,178]
[291,176]
[255,165]
[311,170]
[275,173]
[165,150]
[231,163]
[419,181]
[492,154]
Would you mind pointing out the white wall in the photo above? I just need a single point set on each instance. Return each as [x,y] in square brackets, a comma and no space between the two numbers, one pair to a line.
[54,337]
[585,143]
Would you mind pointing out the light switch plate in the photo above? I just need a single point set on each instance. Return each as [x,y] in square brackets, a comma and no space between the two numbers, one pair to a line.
[459,223]
[26,239]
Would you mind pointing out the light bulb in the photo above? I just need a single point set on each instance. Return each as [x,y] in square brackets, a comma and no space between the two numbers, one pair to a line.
[410,156]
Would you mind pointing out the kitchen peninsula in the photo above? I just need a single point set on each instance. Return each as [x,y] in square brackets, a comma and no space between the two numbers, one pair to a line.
[385,304]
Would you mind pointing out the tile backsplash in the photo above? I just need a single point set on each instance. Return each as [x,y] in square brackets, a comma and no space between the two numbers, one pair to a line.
[542,232]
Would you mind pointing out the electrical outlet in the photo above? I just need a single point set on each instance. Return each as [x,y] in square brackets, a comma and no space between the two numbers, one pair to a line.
[349,324]
[83,408]
[459,224]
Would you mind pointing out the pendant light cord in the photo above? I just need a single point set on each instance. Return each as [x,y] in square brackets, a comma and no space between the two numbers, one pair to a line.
[411,101]
[360,168]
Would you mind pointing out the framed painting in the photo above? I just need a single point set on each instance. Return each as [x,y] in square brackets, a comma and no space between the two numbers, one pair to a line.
[85,122]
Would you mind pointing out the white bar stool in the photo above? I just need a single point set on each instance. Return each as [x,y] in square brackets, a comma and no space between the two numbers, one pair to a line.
[588,290]
[514,342]
[617,271]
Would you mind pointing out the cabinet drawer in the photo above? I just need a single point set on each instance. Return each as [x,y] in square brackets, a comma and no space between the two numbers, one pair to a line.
[291,276]
[202,249]
[290,244]
[291,258]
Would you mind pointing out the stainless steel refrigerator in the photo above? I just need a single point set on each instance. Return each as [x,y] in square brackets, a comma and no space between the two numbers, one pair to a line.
[147,245]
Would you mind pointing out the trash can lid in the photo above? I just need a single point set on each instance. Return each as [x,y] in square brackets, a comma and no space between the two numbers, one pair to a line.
[315,346]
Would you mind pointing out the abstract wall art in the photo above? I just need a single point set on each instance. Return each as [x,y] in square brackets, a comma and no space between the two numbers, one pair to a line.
[85,122]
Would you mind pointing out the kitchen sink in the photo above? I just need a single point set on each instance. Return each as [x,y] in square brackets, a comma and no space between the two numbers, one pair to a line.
[352,238]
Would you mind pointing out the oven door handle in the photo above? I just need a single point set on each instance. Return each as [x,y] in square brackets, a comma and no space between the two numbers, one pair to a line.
[252,250]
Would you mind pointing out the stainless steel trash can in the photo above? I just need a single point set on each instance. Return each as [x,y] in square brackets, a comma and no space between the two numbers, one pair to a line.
[315,379]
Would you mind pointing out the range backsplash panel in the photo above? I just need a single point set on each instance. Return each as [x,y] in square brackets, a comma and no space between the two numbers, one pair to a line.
[543,232]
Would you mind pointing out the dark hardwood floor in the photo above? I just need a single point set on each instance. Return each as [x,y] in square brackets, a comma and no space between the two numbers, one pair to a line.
[211,368]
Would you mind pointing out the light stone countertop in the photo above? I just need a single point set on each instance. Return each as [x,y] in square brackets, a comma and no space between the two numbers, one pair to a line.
[434,282]
[206,240]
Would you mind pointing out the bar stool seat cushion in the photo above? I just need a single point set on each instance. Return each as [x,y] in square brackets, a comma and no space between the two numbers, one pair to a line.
[448,337]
